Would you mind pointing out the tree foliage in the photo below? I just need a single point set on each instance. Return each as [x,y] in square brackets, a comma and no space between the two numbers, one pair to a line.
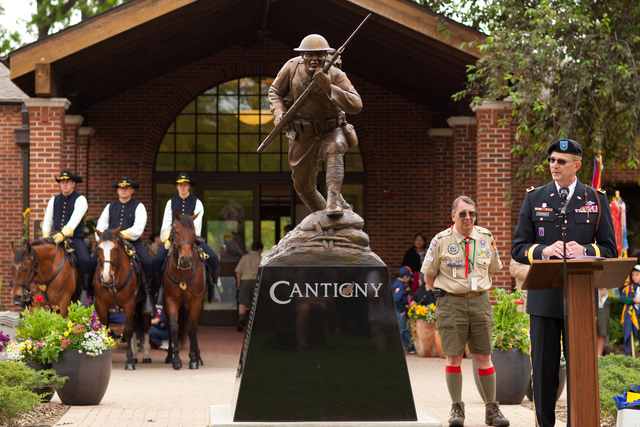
[570,67]
[52,16]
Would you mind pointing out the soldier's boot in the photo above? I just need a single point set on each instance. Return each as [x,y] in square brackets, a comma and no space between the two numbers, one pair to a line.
[84,292]
[147,306]
[160,283]
[493,415]
[457,415]
[335,175]
[213,294]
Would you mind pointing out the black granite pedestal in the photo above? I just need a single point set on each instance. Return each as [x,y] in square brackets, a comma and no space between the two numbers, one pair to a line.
[324,345]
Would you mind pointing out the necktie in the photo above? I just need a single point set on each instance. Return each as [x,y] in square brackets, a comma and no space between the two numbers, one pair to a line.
[466,241]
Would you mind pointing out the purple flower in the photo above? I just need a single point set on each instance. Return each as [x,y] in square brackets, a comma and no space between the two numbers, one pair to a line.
[3,340]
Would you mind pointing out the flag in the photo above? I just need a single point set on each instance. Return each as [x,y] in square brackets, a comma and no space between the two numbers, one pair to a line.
[596,181]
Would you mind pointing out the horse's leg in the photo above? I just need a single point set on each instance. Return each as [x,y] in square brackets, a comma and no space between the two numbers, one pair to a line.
[195,360]
[129,312]
[172,314]
[146,323]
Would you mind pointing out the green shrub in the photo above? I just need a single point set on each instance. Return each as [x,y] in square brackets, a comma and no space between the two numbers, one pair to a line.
[17,382]
[616,330]
[617,374]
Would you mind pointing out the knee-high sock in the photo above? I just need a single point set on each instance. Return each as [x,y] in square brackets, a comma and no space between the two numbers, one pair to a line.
[487,379]
[453,375]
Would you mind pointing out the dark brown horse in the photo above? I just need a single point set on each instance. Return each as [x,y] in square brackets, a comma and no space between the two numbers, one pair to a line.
[116,284]
[42,275]
[184,286]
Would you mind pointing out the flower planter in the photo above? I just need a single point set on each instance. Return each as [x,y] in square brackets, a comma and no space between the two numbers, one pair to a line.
[513,375]
[88,377]
[425,339]
[48,391]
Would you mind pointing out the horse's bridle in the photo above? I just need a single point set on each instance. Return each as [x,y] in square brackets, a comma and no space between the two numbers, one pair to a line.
[27,293]
[177,264]
[115,287]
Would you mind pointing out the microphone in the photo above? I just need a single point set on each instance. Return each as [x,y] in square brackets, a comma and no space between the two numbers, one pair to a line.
[564,196]
[564,193]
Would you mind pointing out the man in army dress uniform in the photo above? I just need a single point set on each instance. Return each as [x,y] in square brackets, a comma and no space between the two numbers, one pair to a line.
[64,217]
[458,267]
[131,216]
[186,204]
[539,236]
[319,130]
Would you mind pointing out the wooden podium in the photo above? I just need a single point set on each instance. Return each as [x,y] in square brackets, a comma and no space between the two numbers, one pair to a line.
[583,276]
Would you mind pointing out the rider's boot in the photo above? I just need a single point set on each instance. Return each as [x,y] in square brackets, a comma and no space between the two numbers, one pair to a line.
[212,283]
[160,283]
[148,306]
[84,292]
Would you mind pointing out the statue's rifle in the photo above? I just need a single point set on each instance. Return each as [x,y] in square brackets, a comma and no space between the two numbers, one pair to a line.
[298,103]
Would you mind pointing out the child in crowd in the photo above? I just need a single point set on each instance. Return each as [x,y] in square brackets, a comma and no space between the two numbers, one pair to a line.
[401,295]
[630,298]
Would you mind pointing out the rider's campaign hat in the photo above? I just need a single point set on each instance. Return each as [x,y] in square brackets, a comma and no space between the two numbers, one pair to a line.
[64,175]
[183,177]
[126,182]
[568,146]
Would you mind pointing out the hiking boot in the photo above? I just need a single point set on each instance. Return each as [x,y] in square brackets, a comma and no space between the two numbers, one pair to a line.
[493,416]
[457,414]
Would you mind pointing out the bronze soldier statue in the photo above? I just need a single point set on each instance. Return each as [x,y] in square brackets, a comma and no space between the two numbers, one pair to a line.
[318,130]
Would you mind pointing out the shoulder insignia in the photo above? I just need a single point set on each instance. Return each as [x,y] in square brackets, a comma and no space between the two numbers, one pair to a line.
[531,189]
[483,230]
[443,233]
[600,190]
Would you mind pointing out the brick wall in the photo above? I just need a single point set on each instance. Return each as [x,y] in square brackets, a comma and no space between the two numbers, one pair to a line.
[11,183]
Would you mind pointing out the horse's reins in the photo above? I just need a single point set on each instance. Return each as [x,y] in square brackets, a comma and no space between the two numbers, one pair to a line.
[115,288]
[183,284]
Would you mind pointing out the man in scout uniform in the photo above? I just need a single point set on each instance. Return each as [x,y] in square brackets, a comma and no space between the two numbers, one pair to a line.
[458,268]
[64,217]
[319,130]
[538,235]
[131,216]
[186,204]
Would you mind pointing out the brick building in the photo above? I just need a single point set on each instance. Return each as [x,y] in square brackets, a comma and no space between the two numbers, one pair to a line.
[154,87]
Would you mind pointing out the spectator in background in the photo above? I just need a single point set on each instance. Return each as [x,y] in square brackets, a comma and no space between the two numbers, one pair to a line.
[630,298]
[158,330]
[246,274]
[401,296]
[414,257]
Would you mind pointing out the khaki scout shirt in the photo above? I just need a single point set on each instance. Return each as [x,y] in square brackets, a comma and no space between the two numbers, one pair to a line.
[446,257]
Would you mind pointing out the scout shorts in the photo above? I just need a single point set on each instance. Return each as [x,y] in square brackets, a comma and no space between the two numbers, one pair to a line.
[245,293]
[462,320]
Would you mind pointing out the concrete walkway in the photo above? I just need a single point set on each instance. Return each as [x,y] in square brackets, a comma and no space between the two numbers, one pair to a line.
[156,395]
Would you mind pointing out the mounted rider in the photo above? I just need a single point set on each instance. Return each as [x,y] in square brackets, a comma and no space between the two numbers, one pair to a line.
[186,204]
[131,216]
[64,218]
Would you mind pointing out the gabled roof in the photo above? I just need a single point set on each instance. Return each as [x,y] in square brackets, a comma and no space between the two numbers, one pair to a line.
[398,49]
[9,92]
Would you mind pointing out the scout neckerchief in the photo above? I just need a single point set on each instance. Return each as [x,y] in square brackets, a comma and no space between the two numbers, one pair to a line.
[468,260]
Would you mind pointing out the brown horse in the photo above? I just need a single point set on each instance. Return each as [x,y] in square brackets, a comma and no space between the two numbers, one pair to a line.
[116,284]
[41,274]
[185,285]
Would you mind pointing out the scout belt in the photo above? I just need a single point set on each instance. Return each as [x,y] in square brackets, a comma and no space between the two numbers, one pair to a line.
[440,293]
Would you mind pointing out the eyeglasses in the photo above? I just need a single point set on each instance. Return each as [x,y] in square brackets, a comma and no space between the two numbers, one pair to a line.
[318,55]
[472,214]
[561,162]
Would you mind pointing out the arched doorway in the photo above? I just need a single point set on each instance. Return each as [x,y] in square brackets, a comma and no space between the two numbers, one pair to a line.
[247,196]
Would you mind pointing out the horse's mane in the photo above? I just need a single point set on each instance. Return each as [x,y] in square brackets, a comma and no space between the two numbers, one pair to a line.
[186,221]
[17,256]
[109,235]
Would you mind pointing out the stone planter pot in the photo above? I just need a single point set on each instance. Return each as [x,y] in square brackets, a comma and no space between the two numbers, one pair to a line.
[562,377]
[88,377]
[513,375]
[425,339]
[48,391]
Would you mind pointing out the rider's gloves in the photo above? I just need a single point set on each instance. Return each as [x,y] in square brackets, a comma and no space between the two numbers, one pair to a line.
[126,234]
[65,232]
[46,234]
[165,235]
[167,244]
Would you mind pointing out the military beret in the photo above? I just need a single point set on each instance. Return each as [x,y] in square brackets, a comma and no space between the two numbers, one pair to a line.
[64,175]
[568,146]
[126,182]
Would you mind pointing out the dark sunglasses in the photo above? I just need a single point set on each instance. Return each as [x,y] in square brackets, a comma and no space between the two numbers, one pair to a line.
[472,214]
[561,162]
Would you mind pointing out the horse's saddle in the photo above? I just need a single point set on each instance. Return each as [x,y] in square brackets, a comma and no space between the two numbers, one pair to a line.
[131,251]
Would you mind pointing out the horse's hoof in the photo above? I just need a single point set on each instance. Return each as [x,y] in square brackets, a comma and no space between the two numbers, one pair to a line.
[146,360]
[177,365]
[135,360]
[200,362]
[169,359]
[193,365]
[129,366]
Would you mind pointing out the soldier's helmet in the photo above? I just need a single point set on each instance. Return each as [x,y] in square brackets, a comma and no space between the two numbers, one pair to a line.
[313,43]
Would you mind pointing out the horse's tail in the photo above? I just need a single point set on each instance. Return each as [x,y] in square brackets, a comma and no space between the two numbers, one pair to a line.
[183,320]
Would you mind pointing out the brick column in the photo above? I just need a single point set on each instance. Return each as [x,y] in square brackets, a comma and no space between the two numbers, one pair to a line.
[464,155]
[442,169]
[46,124]
[70,142]
[85,133]
[494,178]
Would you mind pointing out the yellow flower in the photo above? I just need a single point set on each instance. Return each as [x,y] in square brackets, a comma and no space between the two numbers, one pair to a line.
[66,334]
[28,342]
[70,324]
[21,347]
[29,347]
